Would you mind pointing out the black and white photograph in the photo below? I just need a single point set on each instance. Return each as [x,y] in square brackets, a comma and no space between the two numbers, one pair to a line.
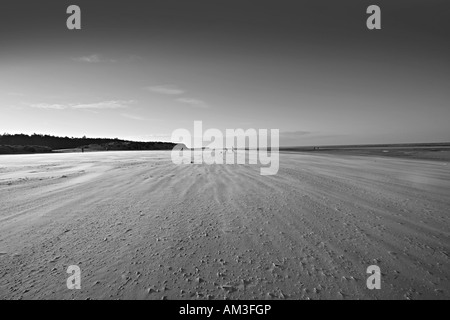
[245,151]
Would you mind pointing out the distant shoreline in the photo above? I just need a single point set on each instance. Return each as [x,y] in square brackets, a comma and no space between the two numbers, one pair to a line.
[418,151]
[361,146]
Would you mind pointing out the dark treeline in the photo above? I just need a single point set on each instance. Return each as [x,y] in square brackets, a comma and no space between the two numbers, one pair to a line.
[49,141]
[55,143]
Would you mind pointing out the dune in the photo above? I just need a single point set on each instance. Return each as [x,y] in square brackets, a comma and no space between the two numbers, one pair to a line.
[141,227]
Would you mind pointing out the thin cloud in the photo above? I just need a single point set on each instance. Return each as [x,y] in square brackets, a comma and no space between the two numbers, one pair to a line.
[166,89]
[174,91]
[54,106]
[132,116]
[193,102]
[112,104]
[94,58]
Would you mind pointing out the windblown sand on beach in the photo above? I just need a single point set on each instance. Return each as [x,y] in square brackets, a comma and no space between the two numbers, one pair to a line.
[141,227]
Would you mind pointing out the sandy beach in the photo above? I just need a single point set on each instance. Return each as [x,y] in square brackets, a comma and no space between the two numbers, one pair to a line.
[141,227]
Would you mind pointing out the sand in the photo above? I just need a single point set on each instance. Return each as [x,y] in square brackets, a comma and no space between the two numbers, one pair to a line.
[140,227]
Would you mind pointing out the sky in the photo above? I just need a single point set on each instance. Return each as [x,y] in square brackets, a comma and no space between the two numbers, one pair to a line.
[141,69]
